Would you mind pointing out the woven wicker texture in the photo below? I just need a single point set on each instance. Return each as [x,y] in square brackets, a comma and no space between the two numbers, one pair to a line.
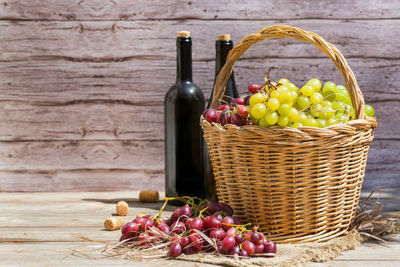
[300,184]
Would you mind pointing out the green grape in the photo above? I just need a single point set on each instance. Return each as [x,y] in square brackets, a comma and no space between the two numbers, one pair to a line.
[258,110]
[326,103]
[294,115]
[336,105]
[285,97]
[311,122]
[332,121]
[369,111]
[303,102]
[315,84]
[257,98]
[284,109]
[283,81]
[275,94]
[271,117]
[315,110]
[296,124]
[322,123]
[307,90]
[316,98]
[340,87]
[291,86]
[327,112]
[283,88]
[329,91]
[343,98]
[303,117]
[295,95]
[262,122]
[273,103]
[283,120]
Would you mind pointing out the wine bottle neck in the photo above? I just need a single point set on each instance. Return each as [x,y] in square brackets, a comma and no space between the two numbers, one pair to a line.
[222,48]
[184,59]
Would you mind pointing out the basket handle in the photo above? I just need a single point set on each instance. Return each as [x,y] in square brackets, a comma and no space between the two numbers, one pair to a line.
[281,31]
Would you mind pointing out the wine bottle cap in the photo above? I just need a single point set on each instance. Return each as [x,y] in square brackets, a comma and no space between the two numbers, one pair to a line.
[224,37]
[183,34]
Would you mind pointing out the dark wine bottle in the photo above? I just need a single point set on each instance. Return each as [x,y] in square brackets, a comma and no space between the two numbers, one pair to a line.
[183,105]
[222,47]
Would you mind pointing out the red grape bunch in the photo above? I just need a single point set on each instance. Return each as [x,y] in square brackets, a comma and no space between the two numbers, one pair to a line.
[198,227]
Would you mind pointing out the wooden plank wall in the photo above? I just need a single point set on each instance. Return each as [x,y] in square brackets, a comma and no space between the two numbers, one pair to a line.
[82,81]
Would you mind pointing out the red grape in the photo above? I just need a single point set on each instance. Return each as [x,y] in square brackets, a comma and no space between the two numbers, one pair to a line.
[174,216]
[254,87]
[139,220]
[249,122]
[185,241]
[146,224]
[217,234]
[226,117]
[232,231]
[213,207]
[197,241]
[227,222]
[259,248]
[228,243]
[270,247]
[249,247]
[211,222]
[129,229]
[176,238]
[218,216]
[163,228]
[143,239]
[239,101]
[236,120]
[184,213]
[197,223]
[175,249]
[210,115]
[255,237]
[189,250]
[243,253]
[234,250]
[242,111]
[239,238]
[158,221]
[177,227]
[187,223]
[223,107]
[225,207]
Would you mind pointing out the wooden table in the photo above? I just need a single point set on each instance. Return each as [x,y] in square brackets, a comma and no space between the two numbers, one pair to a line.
[40,229]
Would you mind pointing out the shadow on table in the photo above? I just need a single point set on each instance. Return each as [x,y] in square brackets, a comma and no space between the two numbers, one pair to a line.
[134,203]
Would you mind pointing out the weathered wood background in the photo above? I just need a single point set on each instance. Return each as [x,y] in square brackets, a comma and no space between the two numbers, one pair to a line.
[82,81]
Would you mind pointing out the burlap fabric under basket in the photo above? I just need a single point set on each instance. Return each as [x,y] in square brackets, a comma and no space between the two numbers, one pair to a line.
[300,184]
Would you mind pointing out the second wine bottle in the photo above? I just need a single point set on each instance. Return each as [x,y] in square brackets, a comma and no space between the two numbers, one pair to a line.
[222,47]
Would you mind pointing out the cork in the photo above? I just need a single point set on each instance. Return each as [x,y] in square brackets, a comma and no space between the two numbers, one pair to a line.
[149,196]
[183,34]
[122,208]
[113,223]
[224,37]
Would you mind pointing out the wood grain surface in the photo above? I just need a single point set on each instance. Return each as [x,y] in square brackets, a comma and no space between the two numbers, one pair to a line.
[82,82]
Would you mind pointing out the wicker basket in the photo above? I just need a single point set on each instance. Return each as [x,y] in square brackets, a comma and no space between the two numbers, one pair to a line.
[297,184]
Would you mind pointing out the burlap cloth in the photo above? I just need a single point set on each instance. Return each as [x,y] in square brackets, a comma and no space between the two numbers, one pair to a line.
[288,254]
